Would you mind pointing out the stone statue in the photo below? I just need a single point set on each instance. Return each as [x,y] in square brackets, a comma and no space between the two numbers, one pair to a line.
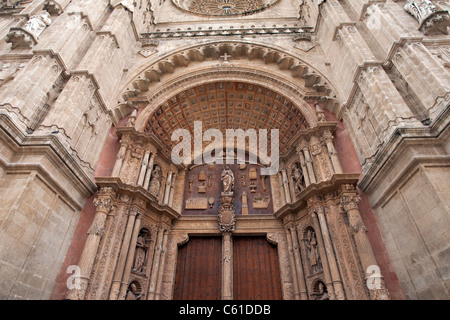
[38,23]
[323,294]
[299,179]
[155,181]
[132,293]
[311,244]
[303,12]
[141,252]
[227,178]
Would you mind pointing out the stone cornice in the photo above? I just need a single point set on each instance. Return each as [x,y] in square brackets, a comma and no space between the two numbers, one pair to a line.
[255,224]
[67,73]
[397,143]
[355,88]
[137,192]
[110,34]
[317,189]
[367,5]
[92,77]
[146,137]
[342,25]
[51,147]
[177,34]
[306,135]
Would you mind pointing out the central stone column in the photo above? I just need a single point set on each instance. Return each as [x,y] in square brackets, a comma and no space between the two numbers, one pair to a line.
[227,224]
[227,266]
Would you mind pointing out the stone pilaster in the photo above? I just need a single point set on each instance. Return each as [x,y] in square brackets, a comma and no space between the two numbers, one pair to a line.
[415,63]
[292,265]
[103,204]
[331,258]
[298,263]
[156,263]
[323,255]
[347,257]
[375,283]
[124,263]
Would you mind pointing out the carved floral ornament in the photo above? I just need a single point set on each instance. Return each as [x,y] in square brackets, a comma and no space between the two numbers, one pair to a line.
[350,202]
[223,7]
[103,204]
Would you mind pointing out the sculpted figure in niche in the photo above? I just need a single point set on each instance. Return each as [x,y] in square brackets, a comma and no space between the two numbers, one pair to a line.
[311,244]
[155,181]
[227,178]
[141,251]
[132,293]
[299,179]
[322,293]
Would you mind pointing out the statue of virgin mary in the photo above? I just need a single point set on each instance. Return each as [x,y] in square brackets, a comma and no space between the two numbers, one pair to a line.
[227,178]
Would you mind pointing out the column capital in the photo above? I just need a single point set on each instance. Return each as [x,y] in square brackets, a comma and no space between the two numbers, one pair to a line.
[350,202]
[103,204]
[134,212]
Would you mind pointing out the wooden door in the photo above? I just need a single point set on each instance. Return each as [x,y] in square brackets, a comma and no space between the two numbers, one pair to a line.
[199,269]
[256,272]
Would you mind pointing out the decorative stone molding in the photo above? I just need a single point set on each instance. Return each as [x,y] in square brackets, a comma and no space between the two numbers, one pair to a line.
[273,238]
[227,216]
[431,19]
[210,32]
[27,36]
[55,7]
[104,205]
[21,38]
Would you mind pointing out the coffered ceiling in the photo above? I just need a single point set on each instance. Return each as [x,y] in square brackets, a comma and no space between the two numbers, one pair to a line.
[227,105]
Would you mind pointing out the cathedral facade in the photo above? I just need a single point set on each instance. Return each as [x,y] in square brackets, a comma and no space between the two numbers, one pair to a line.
[94,95]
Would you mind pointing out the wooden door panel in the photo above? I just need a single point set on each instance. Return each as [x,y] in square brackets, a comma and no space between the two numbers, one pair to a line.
[256,272]
[199,269]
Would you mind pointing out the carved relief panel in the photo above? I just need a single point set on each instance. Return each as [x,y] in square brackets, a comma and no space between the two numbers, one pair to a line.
[203,188]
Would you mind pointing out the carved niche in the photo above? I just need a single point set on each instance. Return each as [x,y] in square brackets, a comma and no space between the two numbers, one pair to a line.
[312,250]
[298,177]
[155,181]
[140,256]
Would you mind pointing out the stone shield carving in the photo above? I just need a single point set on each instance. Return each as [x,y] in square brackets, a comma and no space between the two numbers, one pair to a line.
[227,217]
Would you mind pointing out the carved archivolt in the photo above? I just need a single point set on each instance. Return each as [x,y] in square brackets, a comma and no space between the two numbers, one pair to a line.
[312,84]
